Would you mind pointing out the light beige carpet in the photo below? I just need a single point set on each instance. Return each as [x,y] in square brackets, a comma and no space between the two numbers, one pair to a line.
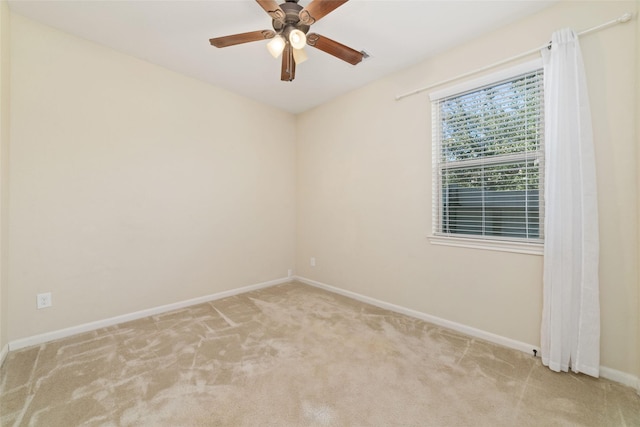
[293,355]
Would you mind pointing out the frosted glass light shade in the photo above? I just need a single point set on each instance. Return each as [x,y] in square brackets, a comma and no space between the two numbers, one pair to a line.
[276,46]
[299,55]
[297,39]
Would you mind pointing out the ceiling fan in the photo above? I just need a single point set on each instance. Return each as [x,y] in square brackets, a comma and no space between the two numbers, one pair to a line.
[291,23]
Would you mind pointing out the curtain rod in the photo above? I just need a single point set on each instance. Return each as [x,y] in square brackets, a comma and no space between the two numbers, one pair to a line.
[622,19]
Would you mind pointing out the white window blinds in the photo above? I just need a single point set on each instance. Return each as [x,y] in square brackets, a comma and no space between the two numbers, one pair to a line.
[488,160]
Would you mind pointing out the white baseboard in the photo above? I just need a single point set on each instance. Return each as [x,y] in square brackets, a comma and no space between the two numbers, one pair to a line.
[620,377]
[468,330]
[608,373]
[91,326]
[3,353]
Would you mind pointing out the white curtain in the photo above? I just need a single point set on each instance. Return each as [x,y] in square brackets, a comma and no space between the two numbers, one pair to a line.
[571,309]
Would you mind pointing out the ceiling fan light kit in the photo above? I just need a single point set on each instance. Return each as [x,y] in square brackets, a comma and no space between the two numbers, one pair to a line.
[276,46]
[291,23]
[299,55]
[297,39]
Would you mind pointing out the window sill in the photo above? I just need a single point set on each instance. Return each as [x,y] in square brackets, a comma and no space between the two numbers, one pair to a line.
[492,245]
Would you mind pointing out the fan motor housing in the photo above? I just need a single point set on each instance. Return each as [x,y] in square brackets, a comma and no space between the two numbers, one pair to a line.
[292,9]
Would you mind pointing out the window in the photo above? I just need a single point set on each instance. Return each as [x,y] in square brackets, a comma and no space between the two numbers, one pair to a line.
[488,161]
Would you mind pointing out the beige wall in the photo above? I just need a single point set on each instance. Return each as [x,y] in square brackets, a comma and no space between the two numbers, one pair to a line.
[4,166]
[134,187]
[364,192]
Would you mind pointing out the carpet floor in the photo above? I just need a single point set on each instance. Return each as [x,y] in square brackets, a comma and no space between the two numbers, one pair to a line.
[294,355]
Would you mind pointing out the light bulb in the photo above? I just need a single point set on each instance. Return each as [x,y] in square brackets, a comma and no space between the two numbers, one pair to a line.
[299,55]
[297,39]
[276,46]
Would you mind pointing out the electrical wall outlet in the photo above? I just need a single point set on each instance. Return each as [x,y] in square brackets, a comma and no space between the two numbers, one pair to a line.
[44,300]
[289,273]
[312,261]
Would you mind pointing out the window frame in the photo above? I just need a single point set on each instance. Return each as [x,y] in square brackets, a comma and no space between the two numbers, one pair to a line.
[533,246]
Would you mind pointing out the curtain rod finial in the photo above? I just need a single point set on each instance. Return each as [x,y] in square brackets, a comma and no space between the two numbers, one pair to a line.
[625,18]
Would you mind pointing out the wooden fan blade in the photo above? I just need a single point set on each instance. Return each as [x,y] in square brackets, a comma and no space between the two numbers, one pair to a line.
[272,8]
[252,36]
[288,71]
[318,9]
[334,48]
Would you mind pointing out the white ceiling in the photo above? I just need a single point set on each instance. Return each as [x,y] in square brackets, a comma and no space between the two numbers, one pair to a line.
[175,34]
